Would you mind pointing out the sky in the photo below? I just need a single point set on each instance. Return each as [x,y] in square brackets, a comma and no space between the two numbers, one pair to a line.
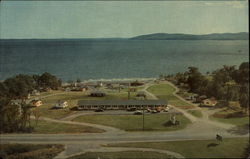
[111,19]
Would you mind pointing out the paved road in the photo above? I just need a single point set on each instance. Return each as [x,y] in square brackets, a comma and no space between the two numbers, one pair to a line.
[200,129]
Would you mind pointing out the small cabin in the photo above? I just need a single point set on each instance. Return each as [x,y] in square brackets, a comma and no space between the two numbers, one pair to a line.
[97,94]
[36,103]
[35,93]
[209,102]
[141,94]
[61,104]
[136,83]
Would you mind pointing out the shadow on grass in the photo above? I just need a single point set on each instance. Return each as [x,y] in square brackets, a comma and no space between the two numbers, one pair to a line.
[240,130]
[212,145]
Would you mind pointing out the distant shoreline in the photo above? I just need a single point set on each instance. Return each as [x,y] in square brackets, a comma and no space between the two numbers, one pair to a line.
[156,36]
[118,79]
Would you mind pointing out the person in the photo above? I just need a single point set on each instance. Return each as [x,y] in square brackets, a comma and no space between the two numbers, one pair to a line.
[218,137]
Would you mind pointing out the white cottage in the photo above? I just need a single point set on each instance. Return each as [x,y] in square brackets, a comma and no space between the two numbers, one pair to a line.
[61,104]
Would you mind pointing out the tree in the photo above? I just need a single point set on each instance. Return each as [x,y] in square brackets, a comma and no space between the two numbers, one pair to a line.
[10,116]
[46,80]
[36,112]
[19,86]
[241,76]
[244,98]
[3,90]
[78,80]
[195,79]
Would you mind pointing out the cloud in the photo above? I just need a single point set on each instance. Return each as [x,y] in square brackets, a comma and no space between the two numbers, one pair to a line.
[233,4]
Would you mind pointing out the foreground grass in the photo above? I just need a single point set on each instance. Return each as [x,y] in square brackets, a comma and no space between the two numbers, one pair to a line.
[29,151]
[45,127]
[229,148]
[165,92]
[134,122]
[122,155]
[196,113]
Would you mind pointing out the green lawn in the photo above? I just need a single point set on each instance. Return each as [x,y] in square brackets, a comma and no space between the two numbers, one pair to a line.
[29,151]
[122,155]
[53,128]
[134,122]
[221,116]
[196,113]
[229,148]
[235,121]
[165,91]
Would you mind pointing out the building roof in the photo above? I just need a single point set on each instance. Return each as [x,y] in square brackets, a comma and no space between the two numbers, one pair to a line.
[121,102]
[61,101]
[97,92]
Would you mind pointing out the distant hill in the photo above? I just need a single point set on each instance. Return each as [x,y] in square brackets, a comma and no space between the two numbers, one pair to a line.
[216,36]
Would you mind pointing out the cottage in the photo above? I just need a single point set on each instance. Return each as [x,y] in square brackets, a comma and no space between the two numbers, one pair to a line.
[199,99]
[35,93]
[97,94]
[136,83]
[209,102]
[120,104]
[61,104]
[141,94]
[67,89]
[36,103]
[132,89]
[79,89]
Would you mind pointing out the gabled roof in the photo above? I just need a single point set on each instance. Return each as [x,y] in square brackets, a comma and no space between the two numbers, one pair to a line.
[122,102]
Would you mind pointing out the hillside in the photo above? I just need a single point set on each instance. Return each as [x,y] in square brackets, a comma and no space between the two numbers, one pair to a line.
[216,36]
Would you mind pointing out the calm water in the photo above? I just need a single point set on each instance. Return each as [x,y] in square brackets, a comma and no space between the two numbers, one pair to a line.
[94,59]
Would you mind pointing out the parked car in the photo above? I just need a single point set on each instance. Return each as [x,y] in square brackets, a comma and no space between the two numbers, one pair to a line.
[131,109]
[99,110]
[149,110]
[166,109]
[155,111]
[137,112]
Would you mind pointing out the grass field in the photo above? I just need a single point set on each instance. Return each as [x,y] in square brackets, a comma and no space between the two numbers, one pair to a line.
[221,116]
[29,151]
[45,127]
[165,91]
[235,121]
[196,113]
[229,148]
[134,122]
[122,155]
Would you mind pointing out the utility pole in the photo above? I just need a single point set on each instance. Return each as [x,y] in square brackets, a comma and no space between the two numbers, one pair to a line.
[143,118]
[129,90]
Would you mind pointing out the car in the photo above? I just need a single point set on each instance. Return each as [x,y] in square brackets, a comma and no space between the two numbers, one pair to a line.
[137,112]
[154,111]
[99,110]
[131,109]
[149,110]
[166,109]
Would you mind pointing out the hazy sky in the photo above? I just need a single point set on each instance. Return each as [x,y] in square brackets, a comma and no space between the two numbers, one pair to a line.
[79,19]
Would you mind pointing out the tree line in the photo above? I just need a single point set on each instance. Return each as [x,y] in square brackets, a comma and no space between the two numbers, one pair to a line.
[16,116]
[226,84]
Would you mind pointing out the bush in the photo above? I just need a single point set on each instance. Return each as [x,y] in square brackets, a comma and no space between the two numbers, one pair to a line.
[29,151]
